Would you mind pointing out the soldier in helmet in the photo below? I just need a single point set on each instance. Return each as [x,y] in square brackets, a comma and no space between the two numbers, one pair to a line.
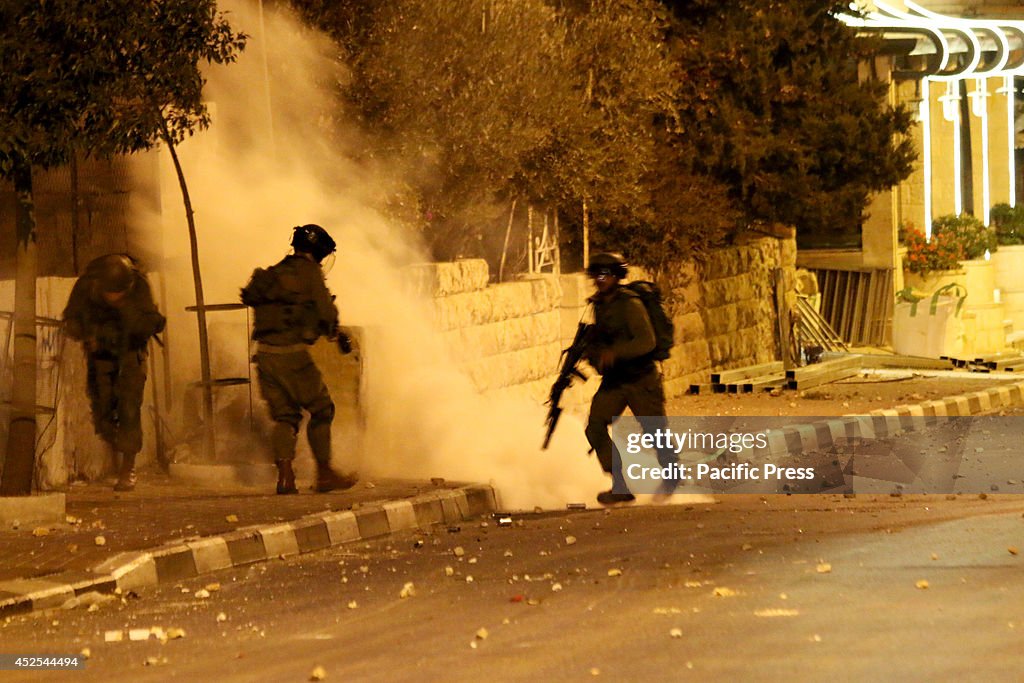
[622,351]
[292,309]
[111,311]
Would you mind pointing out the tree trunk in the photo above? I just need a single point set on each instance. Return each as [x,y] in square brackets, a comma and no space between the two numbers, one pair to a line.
[19,462]
[204,345]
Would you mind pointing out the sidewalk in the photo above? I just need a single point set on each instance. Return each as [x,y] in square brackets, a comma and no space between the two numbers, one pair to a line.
[106,533]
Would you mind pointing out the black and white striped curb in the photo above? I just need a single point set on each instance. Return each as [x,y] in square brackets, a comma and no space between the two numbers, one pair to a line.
[823,434]
[187,559]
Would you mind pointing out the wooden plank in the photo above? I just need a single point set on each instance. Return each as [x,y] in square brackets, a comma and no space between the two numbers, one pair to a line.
[736,374]
[817,380]
[825,367]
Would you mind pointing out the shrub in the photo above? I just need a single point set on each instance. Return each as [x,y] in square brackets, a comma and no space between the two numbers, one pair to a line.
[942,252]
[1008,222]
[968,232]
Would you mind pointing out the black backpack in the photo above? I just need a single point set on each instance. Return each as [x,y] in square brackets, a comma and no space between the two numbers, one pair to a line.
[664,329]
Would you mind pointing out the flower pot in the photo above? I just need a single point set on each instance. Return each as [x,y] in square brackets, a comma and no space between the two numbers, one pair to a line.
[1008,268]
[980,282]
[933,280]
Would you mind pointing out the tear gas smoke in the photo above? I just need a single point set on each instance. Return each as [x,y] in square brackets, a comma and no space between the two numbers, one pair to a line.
[251,183]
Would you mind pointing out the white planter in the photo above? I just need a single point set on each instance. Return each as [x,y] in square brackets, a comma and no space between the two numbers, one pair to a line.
[1008,268]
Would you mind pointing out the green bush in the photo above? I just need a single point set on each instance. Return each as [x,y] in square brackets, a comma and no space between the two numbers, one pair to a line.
[968,232]
[1008,222]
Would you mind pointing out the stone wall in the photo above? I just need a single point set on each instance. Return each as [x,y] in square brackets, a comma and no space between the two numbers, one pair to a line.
[509,337]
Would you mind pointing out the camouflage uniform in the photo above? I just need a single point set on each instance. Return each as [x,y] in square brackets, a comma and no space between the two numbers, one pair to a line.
[115,337]
[293,308]
[634,381]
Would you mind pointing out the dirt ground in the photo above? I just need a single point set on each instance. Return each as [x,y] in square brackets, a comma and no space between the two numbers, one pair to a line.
[854,395]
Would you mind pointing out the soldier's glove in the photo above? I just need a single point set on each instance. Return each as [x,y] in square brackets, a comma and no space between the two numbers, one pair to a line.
[344,343]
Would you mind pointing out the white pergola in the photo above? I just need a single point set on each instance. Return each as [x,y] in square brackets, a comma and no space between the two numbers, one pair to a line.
[953,50]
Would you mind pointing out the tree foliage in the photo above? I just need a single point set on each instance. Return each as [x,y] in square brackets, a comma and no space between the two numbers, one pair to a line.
[674,121]
[772,99]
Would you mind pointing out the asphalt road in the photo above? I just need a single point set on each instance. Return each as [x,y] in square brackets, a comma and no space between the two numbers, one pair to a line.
[800,588]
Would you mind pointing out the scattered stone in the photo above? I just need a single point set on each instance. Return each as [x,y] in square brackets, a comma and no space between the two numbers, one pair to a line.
[723,592]
[213,587]
[570,540]
[693,584]
[139,634]
[614,572]
[318,674]
[935,556]
[676,633]
[175,633]
[481,633]
[594,671]
[100,540]
[86,652]
[1013,550]
[352,604]
[508,553]
[824,568]
[40,531]
[113,636]
[458,551]
[202,594]
[747,546]
[922,584]
[469,578]
[156,661]
[231,518]
[555,587]
[221,617]
[408,590]
[776,612]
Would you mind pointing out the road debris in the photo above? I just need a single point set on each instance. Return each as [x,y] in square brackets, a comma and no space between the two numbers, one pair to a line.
[676,633]
[504,521]
[922,584]
[139,634]
[570,540]
[555,587]
[481,633]
[231,518]
[318,674]
[100,540]
[449,571]
[113,636]
[776,612]
[352,604]
[1013,550]
[614,572]
[458,551]
[202,594]
[221,617]
[156,661]
[824,568]
[408,590]
[40,531]
[723,592]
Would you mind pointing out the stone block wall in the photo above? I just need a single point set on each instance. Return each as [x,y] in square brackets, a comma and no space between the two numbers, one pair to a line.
[510,336]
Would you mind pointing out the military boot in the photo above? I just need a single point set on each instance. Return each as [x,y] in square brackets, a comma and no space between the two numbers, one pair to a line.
[329,480]
[126,473]
[285,478]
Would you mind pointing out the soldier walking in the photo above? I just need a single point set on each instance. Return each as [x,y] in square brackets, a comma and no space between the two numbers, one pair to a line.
[623,350]
[111,311]
[292,309]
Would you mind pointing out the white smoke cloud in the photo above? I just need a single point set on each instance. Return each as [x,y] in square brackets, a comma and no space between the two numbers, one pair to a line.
[251,182]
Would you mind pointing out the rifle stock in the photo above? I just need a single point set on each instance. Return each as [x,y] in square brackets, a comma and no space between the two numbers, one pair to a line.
[570,359]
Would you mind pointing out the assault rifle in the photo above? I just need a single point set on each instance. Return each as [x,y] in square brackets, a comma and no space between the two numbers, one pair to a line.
[570,359]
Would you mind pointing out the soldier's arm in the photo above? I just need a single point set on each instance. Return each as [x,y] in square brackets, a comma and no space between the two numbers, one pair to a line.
[640,329]
[75,311]
[327,312]
[142,319]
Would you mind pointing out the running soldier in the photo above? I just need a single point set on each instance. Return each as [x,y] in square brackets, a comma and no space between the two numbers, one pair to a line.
[623,350]
[292,309]
[111,311]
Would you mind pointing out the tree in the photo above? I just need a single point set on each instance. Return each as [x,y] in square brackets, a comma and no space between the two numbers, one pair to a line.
[772,100]
[105,77]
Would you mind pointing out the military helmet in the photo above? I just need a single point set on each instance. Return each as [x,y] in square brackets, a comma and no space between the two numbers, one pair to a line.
[610,262]
[312,239]
[113,272]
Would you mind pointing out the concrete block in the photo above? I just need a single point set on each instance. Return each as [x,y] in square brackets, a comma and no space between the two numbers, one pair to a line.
[45,594]
[279,540]
[210,554]
[342,527]
[400,515]
[39,507]
[130,570]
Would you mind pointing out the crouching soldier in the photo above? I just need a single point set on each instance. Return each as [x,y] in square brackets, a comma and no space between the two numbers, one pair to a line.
[292,309]
[111,311]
